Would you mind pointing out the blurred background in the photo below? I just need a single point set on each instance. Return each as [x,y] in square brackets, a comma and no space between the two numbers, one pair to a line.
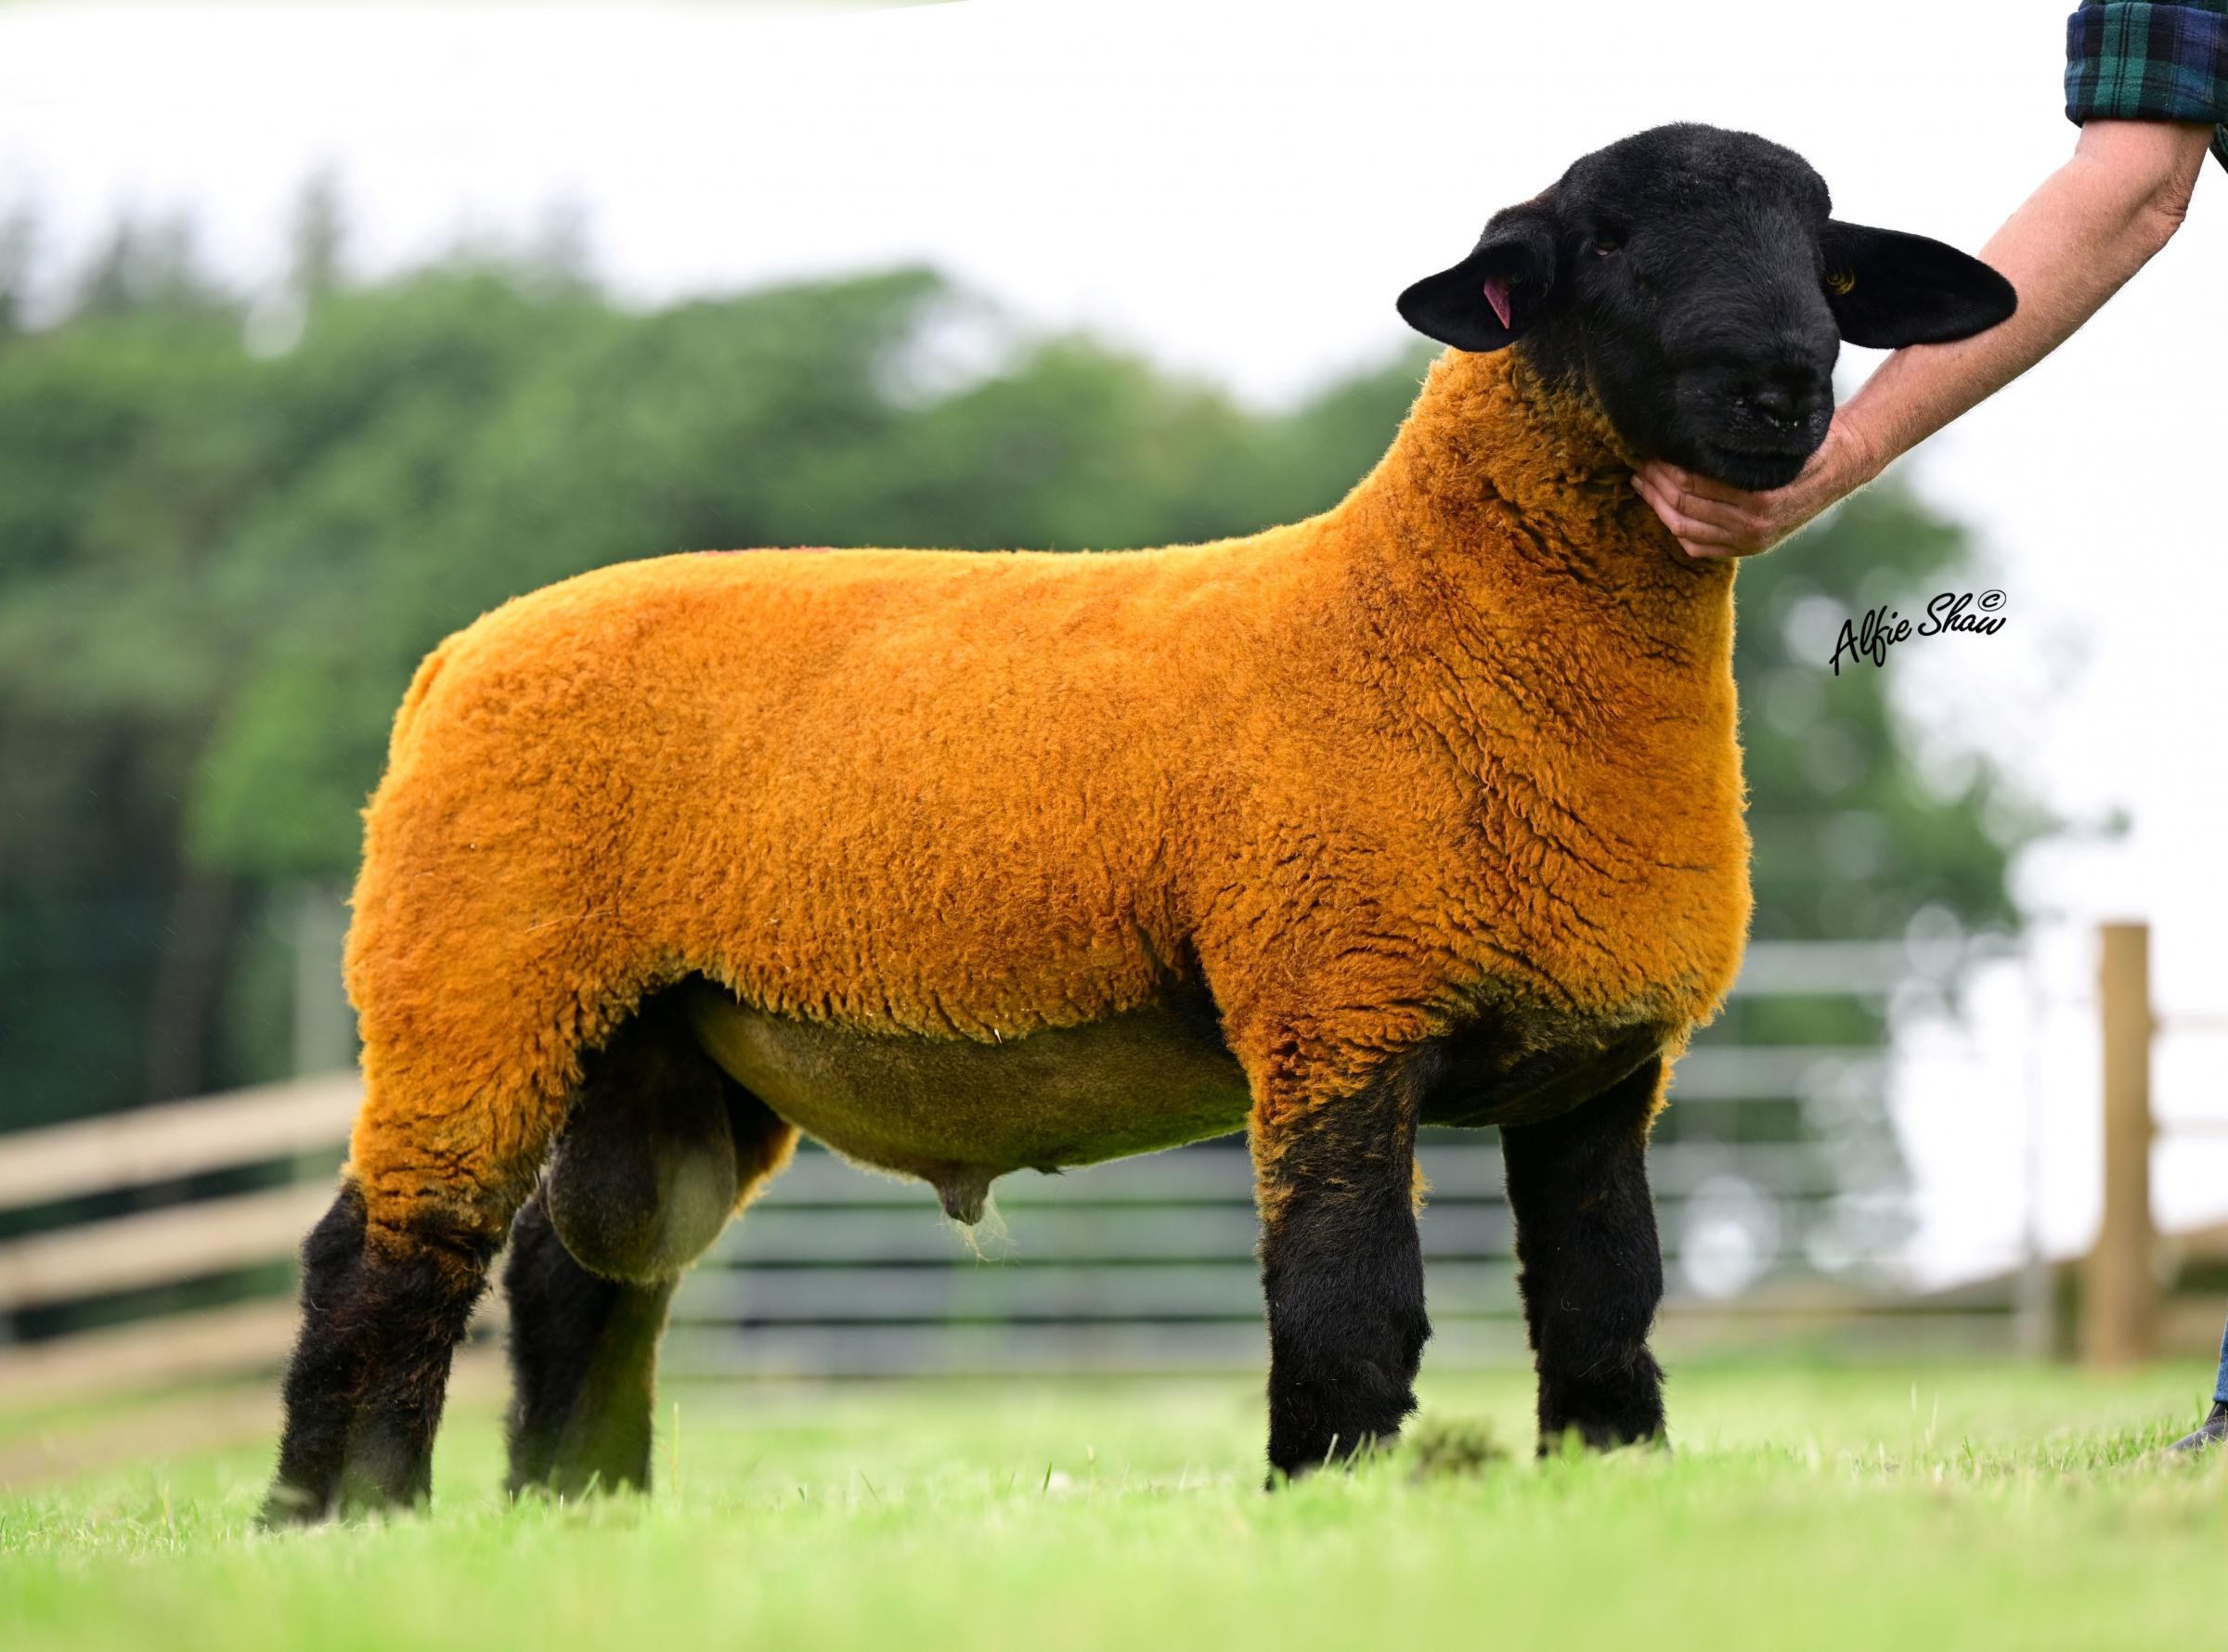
[324,329]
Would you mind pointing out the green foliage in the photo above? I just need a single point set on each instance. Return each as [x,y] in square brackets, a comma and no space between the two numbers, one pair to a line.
[1854,838]
[219,565]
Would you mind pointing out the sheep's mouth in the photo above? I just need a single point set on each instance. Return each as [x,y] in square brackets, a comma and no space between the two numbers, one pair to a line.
[1741,447]
[1754,466]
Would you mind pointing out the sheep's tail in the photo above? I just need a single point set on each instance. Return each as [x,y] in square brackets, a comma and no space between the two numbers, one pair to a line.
[414,698]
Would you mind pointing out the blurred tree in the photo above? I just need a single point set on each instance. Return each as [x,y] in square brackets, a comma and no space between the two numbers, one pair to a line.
[1857,838]
[143,267]
[317,236]
[18,247]
[219,565]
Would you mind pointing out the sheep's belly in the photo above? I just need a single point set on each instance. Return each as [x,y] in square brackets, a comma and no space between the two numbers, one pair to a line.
[958,1113]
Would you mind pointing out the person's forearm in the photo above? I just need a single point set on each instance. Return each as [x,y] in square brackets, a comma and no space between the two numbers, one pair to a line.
[2095,222]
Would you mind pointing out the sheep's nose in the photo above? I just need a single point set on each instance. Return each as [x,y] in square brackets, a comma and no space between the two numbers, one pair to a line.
[1785,401]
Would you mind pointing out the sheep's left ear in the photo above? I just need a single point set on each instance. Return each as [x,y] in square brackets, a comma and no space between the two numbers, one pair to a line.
[1888,289]
[1492,298]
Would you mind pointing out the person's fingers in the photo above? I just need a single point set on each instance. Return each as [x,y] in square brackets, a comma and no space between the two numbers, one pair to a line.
[1696,537]
[1753,524]
[1680,513]
[1735,519]
[1748,517]
[1696,486]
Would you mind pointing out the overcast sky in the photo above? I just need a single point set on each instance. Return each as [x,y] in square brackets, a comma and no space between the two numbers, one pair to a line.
[1244,192]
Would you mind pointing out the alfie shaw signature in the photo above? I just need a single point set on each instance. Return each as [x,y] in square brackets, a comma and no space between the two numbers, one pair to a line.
[1883,627]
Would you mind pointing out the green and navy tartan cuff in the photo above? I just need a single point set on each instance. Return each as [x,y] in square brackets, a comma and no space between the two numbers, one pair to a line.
[2133,61]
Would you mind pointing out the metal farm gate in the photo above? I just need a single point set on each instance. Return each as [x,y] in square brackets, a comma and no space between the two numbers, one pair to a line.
[154,1246]
[1769,1226]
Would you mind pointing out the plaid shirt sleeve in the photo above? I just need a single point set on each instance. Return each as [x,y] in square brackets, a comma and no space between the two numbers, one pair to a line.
[2130,60]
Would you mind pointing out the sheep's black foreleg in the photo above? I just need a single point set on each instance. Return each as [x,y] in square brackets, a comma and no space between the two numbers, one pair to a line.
[1592,1271]
[1342,1270]
[381,1315]
[583,1363]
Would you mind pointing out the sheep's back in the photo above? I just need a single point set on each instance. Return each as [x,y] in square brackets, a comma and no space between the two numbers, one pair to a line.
[914,790]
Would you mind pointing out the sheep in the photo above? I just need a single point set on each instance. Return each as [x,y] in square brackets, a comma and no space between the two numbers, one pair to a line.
[1424,810]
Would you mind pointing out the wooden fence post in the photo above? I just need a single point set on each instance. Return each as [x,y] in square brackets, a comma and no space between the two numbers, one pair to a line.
[2120,1310]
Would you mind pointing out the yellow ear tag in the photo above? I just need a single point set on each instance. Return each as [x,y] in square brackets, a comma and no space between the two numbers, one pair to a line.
[1841,280]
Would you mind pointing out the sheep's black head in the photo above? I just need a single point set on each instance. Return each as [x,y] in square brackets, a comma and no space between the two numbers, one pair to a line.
[1693,279]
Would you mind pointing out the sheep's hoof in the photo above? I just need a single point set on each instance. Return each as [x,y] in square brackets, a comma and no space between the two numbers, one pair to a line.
[289,1506]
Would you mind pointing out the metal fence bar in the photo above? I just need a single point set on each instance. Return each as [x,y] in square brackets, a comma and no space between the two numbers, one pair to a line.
[1829,969]
[1456,1168]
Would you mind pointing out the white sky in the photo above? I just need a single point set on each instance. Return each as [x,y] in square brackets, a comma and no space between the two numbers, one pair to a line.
[1244,191]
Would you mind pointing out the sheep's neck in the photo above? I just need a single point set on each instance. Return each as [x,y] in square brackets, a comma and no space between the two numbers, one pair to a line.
[1500,475]
[1504,517]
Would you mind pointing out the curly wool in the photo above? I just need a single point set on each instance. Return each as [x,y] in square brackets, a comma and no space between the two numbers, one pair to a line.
[1464,742]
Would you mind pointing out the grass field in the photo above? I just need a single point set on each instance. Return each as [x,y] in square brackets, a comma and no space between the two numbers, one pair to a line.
[1941,1507]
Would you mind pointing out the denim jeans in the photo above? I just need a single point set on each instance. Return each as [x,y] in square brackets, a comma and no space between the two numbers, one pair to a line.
[2219,1389]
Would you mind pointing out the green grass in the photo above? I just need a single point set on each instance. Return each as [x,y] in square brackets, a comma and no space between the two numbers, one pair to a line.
[1945,1507]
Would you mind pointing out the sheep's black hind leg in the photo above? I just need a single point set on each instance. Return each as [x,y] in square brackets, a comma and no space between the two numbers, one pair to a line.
[661,1149]
[1342,1269]
[584,1366]
[1592,1270]
[381,1315]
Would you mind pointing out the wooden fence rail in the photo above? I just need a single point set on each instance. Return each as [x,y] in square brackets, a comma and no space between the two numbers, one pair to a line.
[177,1138]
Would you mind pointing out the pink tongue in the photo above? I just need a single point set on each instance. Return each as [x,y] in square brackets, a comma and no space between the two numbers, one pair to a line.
[1496,294]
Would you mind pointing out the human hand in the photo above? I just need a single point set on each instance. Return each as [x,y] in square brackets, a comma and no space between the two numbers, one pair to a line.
[1713,519]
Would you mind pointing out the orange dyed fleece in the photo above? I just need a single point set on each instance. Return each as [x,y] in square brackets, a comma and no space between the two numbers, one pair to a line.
[1465,740]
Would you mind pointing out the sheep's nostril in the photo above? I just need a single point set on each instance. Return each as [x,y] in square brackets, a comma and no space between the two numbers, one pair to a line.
[1782,406]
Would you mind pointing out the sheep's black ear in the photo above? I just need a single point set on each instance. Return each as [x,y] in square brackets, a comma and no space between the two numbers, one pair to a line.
[1888,290]
[1489,299]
